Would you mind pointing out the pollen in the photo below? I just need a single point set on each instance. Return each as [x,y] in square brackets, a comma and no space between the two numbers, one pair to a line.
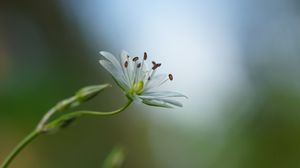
[155,66]
[171,77]
[135,59]
[145,56]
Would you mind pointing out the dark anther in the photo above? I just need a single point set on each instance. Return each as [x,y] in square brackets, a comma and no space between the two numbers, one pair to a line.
[153,62]
[126,64]
[156,66]
[149,78]
[145,56]
[139,65]
[135,59]
[170,76]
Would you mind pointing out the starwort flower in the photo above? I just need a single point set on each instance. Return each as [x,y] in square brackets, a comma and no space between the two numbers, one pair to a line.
[138,81]
[133,76]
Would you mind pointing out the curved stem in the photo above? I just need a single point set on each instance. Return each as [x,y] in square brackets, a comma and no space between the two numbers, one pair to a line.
[70,116]
[103,113]
[63,119]
[19,148]
[53,110]
[46,118]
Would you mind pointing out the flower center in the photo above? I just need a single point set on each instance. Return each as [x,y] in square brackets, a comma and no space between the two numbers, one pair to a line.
[138,87]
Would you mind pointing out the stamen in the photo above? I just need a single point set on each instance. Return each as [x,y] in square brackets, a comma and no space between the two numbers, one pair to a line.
[145,56]
[135,59]
[136,69]
[148,77]
[139,67]
[171,77]
[153,62]
[155,66]
[125,70]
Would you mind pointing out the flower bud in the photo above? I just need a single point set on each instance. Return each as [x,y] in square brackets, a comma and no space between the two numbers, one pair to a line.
[89,92]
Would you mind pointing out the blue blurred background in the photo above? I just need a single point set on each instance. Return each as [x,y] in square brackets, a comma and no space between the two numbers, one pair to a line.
[237,61]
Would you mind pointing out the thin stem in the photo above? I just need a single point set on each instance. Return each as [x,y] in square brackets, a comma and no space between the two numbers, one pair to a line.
[46,118]
[52,125]
[19,148]
[70,116]
[53,110]
[103,113]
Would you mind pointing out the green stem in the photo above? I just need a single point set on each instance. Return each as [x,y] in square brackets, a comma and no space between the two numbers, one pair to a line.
[70,116]
[52,125]
[19,148]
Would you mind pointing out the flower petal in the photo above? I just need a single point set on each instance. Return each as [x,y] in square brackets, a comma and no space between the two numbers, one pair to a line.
[156,81]
[162,94]
[117,74]
[173,102]
[156,103]
[111,58]
[162,102]
[123,58]
[123,55]
[130,70]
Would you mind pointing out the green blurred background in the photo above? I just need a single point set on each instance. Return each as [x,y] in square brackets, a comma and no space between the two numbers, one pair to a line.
[237,61]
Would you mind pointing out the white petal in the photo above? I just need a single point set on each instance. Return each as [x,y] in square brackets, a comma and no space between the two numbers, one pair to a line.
[155,81]
[117,74]
[156,103]
[130,70]
[143,71]
[173,102]
[162,101]
[123,57]
[162,94]
[111,58]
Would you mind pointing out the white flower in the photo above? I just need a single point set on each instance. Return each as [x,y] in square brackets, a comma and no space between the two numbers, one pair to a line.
[138,81]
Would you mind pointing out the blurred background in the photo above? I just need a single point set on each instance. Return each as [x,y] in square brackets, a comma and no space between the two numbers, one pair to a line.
[237,61]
